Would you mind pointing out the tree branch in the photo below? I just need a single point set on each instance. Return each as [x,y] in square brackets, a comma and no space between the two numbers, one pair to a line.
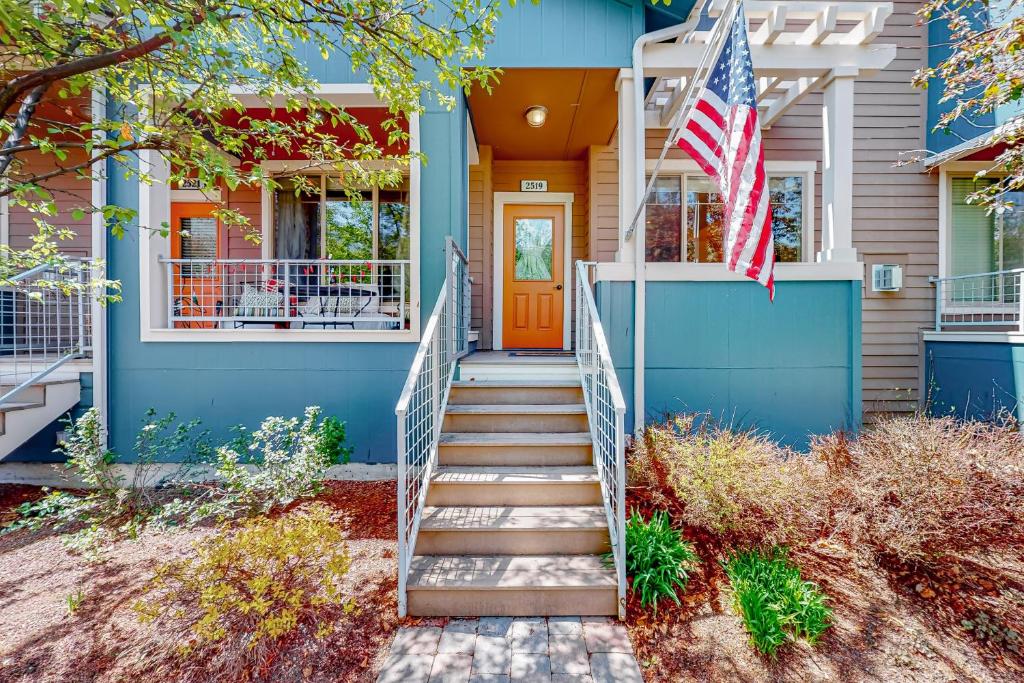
[64,70]
[28,107]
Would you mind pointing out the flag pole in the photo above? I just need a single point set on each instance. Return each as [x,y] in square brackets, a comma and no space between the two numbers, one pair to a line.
[707,61]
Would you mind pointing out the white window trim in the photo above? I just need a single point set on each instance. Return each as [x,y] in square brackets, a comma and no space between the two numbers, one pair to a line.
[267,212]
[804,168]
[947,172]
[535,198]
[154,211]
[5,221]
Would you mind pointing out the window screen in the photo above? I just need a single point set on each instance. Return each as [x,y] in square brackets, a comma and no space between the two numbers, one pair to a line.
[198,241]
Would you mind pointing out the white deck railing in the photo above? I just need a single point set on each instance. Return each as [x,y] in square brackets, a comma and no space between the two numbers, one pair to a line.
[422,403]
[45,321]
[980,300]
[319,293]
[606,410]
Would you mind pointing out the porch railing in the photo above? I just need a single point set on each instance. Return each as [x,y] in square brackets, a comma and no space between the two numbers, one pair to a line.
[980,300]
[422,403]
[606,410]
[45,321]
[238,293]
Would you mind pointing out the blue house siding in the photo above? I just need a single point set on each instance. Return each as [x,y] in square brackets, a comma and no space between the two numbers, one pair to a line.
[974,380]
[567,33]
[961,129]
[229,383]
[792,368]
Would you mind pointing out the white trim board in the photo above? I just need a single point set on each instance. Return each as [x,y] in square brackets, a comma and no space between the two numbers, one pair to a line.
[984,337]
[716,272]
[55,474]
[541,199]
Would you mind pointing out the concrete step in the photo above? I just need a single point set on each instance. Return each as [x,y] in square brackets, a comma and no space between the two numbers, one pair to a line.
[511,392]
[489,418]
[498,449]
[496,585]
[464,485]
[495,530]
[525,368]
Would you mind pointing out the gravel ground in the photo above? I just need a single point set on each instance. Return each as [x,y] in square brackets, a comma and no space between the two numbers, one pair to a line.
[40,641]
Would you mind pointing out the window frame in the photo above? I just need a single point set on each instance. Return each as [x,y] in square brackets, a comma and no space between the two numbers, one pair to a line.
[947,172]
[681,168]
[154,210]
[267,210]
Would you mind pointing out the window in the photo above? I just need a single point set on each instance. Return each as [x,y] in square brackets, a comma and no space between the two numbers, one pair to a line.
[702,221]
[198,241]
[983,241]
[342,225]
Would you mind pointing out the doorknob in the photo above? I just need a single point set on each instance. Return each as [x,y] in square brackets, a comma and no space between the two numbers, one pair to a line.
[558,287]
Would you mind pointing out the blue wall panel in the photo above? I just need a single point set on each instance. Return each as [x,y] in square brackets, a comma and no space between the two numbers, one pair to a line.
[567,33]
[976,380]
[228,383]
[792,368]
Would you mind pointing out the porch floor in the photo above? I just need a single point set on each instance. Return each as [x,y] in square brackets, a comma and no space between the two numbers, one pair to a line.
[519,357]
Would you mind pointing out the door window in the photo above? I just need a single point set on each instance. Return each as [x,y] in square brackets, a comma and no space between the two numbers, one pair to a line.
[533,242]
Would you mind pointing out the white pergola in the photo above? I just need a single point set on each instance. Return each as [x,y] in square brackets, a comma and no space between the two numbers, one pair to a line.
[796,48]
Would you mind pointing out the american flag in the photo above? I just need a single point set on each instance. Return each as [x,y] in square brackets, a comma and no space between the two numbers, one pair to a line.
[723,136]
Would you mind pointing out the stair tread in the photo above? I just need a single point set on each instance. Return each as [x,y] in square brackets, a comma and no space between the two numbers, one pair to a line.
[20,405]
[517,409]
[464,474]
[515,439]
[503,572]
[513,518]
[517,383]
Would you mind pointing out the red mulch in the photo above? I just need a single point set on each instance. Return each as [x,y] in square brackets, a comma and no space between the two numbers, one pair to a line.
[892,623]
[13,495]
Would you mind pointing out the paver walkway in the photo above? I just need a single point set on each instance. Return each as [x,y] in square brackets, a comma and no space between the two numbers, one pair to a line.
[507,650]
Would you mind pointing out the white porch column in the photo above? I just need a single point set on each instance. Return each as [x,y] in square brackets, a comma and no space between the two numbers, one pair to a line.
[628,170]
[837,168]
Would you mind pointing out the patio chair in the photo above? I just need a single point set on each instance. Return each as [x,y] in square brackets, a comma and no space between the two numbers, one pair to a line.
[343,309]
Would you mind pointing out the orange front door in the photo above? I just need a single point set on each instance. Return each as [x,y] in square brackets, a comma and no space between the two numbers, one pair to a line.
[534,277]
[197,292]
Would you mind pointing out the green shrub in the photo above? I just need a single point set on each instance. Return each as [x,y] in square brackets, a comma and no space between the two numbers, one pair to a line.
[286,459]
[774,601]
[735,483]
[113,506]
[332,441]
[247,589]
[657,558]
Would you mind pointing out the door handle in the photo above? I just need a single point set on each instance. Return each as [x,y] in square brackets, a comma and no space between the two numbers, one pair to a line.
[558,287]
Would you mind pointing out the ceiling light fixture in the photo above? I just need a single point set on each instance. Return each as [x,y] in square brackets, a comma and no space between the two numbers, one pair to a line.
[536,116]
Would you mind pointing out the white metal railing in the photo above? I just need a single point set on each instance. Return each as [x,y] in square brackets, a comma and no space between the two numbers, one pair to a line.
[606,410]
[45,321]
[980,300]
[421,405]
[236,293]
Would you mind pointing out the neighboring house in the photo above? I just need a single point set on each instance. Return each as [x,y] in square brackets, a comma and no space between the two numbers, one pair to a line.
[343,296]
[974,356]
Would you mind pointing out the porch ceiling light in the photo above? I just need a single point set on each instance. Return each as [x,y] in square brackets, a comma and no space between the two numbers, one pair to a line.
[536,116]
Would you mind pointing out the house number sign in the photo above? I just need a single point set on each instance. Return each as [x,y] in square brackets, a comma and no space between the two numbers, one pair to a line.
[533,185]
